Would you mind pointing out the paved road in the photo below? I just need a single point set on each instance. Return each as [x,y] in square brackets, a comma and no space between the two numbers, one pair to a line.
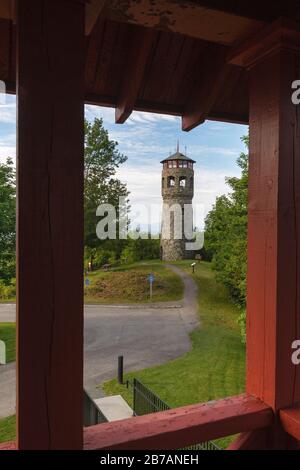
[146,335]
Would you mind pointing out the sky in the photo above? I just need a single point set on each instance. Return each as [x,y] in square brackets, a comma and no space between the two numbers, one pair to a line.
[148,138]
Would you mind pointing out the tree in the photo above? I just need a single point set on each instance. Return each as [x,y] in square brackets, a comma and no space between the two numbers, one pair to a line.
[101,160]
[7,221]
[226,234]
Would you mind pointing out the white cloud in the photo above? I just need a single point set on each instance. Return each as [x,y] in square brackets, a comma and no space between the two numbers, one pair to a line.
[8,113]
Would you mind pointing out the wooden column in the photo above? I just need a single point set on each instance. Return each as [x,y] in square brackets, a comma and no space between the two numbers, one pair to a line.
[273,301]
[50,89]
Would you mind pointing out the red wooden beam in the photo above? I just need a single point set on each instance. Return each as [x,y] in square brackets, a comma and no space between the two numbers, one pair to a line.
[212,74]
[290,420]
[252,440]
[180,427]
[92,12]
[185,17]
[141,43]
[50,88]
[273,300]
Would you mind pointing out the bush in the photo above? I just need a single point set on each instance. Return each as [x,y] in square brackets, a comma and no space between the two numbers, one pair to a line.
[7,291]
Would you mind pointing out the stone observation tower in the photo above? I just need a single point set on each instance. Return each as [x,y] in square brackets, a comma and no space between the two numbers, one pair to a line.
[177,193]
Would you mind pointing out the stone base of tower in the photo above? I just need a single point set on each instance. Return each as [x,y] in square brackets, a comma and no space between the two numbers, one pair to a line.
[174,250]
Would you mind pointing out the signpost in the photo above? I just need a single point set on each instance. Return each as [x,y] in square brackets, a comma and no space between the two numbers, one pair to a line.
[87,282]
[151,280]
[193,267]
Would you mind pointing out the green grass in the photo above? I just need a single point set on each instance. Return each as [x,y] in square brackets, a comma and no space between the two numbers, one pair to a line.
[214,368]
[8,429]
[8,335]
[129,284]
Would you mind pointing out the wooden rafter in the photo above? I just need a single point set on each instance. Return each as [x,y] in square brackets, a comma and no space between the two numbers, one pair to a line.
[212,76]
[141,43]
[92,13]
[185,17]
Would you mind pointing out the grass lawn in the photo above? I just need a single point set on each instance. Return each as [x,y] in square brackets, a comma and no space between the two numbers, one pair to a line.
[8,429]
[8,335]
[129,284]
[214,368]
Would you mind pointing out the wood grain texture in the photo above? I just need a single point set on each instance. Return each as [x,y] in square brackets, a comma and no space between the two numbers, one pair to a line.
[180,427]
[273,308]
[208,87]
[50,87]
[185,17]
[290,420]
[133,73]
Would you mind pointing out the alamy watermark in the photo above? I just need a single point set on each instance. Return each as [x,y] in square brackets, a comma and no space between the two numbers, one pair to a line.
[176,222]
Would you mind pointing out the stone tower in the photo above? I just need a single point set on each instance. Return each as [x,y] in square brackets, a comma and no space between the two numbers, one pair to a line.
[177,193]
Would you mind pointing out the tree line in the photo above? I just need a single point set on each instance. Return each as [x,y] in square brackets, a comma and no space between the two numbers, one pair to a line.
[101,161]
[226,236]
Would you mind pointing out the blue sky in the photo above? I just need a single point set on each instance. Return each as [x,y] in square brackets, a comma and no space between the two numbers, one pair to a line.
[148,138]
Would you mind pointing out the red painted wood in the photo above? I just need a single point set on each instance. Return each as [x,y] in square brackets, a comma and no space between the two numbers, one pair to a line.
[8,446]
[290,419]
[180,427]
[140,47]
[50,87]
[273,299]
[252,440]
[208,87]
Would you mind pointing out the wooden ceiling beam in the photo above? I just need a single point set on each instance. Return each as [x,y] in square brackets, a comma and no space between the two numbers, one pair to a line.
[142,41]
[8,10]
[93,10]
[212,76]
[186,17]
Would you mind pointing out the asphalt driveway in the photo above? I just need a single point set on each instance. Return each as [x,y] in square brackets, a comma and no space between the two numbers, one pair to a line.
[146,335]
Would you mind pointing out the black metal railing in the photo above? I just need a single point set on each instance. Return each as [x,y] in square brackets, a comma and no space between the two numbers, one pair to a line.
[91,413]
[145,401]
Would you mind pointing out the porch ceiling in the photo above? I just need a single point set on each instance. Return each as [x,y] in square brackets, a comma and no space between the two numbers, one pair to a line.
[161,55]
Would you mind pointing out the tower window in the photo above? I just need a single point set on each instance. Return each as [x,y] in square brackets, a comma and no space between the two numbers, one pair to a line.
[174,164]
[184,164]
[170,164]
[171,181]
[182,181]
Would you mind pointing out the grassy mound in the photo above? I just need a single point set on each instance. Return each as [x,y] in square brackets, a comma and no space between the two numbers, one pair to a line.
[130,285]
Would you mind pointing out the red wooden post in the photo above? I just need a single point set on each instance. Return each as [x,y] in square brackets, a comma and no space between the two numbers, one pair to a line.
[50,88]
[273,316]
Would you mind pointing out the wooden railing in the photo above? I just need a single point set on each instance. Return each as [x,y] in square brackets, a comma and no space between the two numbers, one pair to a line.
[181,427]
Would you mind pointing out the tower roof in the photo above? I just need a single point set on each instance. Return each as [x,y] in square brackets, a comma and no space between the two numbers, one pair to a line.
[178,156]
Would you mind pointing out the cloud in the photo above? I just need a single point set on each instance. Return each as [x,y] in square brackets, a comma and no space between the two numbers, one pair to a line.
[8,113]
[146,139]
